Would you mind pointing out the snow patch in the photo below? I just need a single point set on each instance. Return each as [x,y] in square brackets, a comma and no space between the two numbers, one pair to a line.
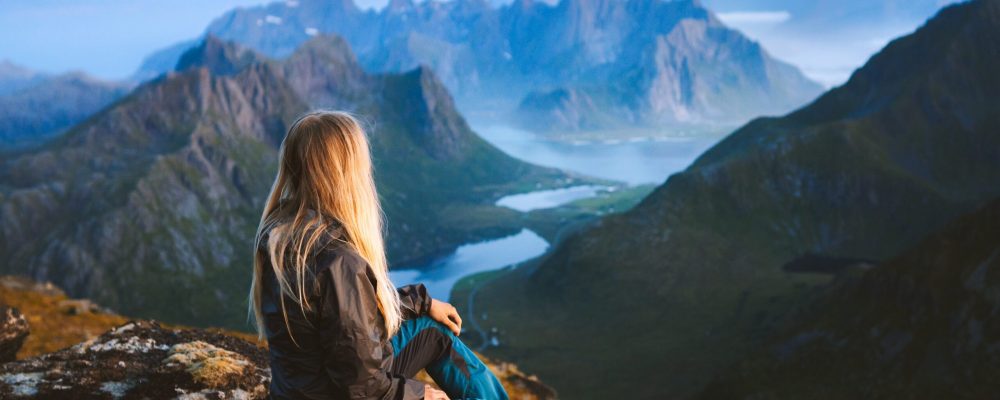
[312,31]
[272,19]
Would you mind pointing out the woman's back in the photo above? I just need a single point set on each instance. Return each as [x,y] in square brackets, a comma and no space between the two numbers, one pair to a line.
[321,292]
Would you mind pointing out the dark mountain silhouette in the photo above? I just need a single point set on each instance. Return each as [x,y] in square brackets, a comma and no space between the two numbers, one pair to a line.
[690,280]
[921,325]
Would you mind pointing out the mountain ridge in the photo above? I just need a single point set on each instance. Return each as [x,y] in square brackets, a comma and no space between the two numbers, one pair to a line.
[36,107]
[160,193]
[693,273]
[649,63]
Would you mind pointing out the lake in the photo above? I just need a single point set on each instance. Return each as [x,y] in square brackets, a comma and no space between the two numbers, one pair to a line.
[540,199]
[635,161]
[440,275]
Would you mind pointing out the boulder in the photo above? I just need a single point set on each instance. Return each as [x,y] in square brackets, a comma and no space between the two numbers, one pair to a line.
[13,331]
[142,359]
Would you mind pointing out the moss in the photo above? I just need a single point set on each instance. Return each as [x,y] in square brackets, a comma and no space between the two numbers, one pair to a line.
[208,365]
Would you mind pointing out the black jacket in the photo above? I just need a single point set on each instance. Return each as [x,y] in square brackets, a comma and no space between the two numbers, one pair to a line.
[339,350]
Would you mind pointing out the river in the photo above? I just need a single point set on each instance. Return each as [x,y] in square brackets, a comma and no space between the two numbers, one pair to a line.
[632,161]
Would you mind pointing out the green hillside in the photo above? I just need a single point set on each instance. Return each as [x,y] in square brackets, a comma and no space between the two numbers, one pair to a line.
[656,301]
[921,325]
[150,206]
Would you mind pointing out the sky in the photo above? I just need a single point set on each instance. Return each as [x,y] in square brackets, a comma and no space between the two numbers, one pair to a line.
[826,39]
[106,38]
[109,38]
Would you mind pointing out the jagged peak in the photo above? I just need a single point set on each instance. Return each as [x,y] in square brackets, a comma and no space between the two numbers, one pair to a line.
[424,72]
[330,48]
[436,124]
[431,87]
[219,56]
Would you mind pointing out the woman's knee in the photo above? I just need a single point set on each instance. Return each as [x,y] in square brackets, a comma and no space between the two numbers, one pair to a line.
[424,322]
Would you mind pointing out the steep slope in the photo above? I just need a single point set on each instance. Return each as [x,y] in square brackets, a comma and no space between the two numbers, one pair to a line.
[437,178]
[662,297]
[46,106]
[923,324]
[149,206]
[651,63]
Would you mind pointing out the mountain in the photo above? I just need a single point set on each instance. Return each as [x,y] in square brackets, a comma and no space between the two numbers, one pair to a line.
[162,61]
[149,206]
[657,300]
[647,63]
[921,325]
[14,77]
[42,107]
[562,110]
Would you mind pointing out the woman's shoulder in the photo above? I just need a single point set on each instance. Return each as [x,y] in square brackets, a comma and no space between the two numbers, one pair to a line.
[341,257]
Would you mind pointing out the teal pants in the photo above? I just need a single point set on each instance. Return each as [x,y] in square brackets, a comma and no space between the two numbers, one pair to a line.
[423,343]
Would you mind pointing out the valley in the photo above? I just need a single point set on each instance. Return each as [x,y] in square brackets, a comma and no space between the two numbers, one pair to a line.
[623,198]
[690,280]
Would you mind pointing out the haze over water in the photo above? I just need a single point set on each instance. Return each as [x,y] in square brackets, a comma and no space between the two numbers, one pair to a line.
[631,161]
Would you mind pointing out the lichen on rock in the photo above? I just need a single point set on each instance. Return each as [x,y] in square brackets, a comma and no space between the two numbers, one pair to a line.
[207,364]
[142,359]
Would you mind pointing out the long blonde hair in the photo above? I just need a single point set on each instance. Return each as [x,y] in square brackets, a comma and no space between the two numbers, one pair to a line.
[325,180]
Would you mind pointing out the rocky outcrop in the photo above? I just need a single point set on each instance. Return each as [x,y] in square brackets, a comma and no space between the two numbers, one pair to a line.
[65,358]
[142,359]
[56,320]
[13,330]
[219,57]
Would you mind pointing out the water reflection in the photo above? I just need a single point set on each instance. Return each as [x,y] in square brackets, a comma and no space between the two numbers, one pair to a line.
[537,200]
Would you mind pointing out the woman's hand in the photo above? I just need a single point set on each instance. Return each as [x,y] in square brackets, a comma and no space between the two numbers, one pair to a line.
[430,393]
[446,314]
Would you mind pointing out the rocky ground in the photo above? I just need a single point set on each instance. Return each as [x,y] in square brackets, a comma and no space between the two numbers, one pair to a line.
[138,359]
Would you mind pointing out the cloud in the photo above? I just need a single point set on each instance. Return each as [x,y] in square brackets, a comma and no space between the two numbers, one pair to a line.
[754,17]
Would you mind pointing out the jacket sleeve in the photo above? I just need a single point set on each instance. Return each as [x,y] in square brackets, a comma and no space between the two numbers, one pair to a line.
[415,300]
[350,325]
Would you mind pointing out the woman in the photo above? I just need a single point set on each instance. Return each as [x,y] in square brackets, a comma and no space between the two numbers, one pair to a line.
[335,325]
